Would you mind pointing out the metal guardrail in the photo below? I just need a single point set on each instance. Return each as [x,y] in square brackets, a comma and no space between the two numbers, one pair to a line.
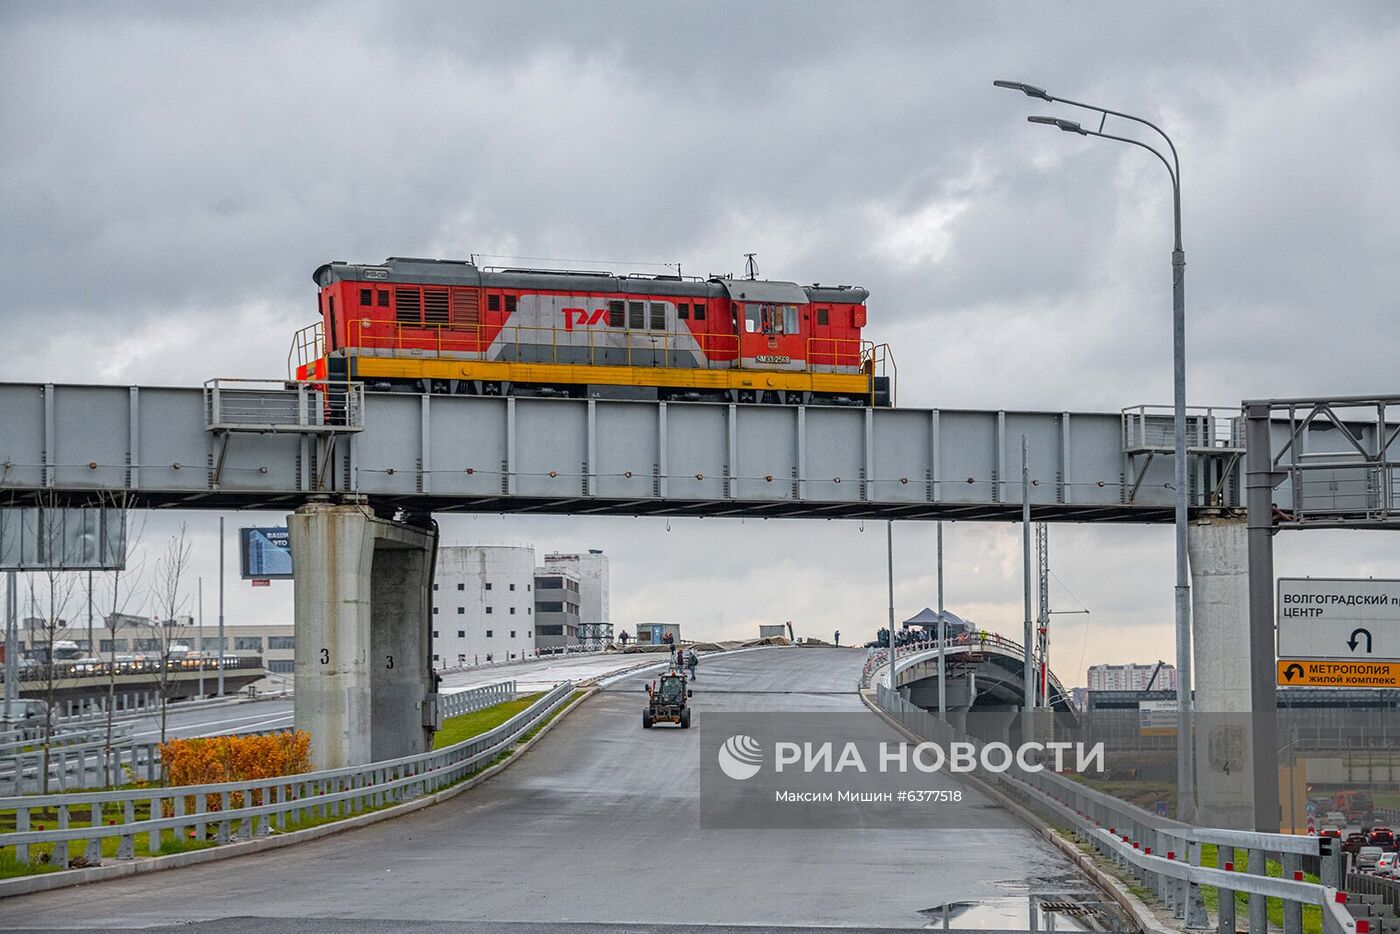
[13,741]
[454,705]
[1360,883]
[72,755]
[242,810]
[1164,855]
[272,406]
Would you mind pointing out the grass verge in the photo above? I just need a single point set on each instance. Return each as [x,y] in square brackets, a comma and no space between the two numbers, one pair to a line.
[456,729]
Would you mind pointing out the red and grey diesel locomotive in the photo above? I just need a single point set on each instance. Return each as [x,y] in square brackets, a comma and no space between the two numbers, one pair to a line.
[447,326]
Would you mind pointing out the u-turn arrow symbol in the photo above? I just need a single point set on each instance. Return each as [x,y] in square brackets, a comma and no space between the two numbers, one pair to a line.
[1353,642]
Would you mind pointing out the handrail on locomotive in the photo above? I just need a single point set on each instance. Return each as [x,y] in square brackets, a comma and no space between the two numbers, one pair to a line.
[469,342]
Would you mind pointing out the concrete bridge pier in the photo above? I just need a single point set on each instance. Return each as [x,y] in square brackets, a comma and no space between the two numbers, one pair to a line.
[365,688]
[1221,659]
[995,725]
[962,692]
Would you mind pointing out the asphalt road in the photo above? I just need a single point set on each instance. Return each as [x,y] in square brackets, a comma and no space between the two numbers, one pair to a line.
[543,673]
[599,824]
[214,721]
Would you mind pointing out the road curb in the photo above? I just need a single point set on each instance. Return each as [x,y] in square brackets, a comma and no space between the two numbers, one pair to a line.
[43,882]
[1141,914]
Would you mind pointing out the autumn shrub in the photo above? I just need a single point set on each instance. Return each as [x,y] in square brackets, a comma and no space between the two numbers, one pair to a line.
[207,760]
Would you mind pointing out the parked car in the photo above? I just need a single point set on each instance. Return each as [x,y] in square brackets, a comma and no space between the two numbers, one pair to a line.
[1367,857]
[1353,843]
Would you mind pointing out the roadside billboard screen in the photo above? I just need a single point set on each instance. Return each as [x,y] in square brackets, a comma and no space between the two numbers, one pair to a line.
[266,553]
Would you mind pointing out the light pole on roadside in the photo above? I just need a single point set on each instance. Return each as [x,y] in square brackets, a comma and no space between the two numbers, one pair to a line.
[889,567]
[942,636]
[1185,771]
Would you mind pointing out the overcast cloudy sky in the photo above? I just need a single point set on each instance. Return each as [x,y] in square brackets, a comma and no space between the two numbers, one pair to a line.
[171,173]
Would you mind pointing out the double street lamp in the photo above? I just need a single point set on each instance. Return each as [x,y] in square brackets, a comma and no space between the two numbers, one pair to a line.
[1185,772]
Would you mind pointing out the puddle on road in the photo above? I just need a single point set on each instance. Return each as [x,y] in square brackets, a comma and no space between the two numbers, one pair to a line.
[1077,910]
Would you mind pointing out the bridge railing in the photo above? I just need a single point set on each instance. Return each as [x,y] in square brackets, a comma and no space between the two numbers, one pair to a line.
[1153,428]
[68,671]
[878,658]
[454,705]
[273,406]
[227,811]
[1164,855]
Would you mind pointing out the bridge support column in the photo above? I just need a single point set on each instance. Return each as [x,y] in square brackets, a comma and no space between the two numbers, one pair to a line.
[365,689]
[1221,658]
[961,692]
[995,725]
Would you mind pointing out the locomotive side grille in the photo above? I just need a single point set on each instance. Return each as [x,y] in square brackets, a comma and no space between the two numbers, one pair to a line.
[466,308]
[408,306]
[435,306]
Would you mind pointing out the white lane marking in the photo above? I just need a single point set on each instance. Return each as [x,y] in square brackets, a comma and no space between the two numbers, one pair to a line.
[195,726]
[250,726]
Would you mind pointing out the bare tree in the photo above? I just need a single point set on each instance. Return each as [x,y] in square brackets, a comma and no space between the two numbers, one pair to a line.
[125,600]
[51,594]
[168,601]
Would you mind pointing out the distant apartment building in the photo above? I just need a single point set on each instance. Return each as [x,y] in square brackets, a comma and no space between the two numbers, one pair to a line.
[557,589]
[1157,676]
[483,604]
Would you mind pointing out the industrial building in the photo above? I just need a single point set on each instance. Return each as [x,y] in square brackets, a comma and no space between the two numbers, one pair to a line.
[483,604]
[591,567]
[655,633]
[556,607]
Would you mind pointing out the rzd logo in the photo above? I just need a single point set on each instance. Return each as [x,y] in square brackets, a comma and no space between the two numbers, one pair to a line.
[573,316]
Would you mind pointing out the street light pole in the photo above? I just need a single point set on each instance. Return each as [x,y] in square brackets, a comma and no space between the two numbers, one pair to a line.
[889,566]
[221,607]
[1185,768]
[1028,670]
[942,635]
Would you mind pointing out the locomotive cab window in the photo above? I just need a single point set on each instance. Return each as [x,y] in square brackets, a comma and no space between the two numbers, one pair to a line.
[383,298]
[493,302]
[683,311]
[770,319]
[823,315]
[366,296]
[753,318]
[699,311]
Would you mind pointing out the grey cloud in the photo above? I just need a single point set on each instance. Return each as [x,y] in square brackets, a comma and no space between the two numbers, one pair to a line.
[172,172]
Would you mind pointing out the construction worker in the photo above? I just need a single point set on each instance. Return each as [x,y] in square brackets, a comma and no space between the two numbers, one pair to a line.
[691,660]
